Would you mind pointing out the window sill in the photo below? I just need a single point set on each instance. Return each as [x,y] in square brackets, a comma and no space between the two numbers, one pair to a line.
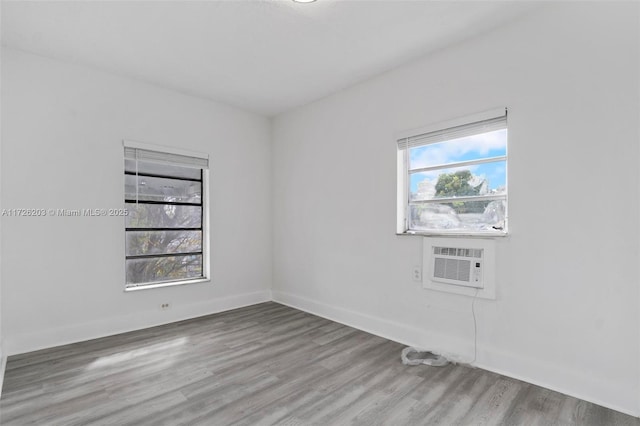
[487,234]
[167,284]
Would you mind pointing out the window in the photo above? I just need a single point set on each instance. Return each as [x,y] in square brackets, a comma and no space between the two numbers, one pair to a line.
[452,179]
[165,228]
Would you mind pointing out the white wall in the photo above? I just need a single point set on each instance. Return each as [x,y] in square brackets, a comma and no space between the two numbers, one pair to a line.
[2,353]
[63,126]
[566,316]
[567,278]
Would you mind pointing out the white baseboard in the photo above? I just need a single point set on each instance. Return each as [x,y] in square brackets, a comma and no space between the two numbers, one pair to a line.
[28,342]
[565,381]
[438,343]
[582,390]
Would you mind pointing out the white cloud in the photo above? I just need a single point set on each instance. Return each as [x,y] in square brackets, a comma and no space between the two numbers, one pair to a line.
[454,150]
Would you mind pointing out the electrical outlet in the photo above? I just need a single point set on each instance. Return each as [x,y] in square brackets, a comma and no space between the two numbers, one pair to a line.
[165,306]
[416,273]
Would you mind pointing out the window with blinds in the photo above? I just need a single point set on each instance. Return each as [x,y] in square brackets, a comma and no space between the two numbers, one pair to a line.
[165,229]
[453,179]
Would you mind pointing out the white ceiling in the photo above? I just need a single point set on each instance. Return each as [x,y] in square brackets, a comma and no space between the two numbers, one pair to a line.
[259,55]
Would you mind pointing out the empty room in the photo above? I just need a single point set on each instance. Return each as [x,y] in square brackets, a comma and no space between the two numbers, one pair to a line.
[320,212]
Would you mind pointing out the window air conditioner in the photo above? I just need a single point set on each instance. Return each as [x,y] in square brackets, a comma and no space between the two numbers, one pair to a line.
[458,266]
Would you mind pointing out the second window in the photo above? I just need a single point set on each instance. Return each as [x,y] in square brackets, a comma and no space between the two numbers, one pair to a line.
[165,226]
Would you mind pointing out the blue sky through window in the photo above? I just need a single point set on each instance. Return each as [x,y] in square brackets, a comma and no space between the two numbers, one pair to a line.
[485,145]
[491,144]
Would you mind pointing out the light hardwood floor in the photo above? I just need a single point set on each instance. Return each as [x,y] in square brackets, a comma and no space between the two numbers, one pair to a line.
[268,364]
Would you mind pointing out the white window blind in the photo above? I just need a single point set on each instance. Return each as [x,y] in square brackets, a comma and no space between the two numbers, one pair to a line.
[140,154]
[455,132]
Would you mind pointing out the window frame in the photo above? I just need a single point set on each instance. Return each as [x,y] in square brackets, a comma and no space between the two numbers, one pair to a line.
[204,204]
[404,182]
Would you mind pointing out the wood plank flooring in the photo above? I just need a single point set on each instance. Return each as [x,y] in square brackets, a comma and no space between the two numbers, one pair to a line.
[268,364]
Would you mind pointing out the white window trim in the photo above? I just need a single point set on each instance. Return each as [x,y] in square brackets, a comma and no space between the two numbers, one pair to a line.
[168,284]
[206,248]
[402,221]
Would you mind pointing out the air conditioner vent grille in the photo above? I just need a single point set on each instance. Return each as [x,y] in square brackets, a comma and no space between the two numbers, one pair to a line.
[458,252]
[452,269]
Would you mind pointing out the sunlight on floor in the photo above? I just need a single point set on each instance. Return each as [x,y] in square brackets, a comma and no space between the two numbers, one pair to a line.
[127,356]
